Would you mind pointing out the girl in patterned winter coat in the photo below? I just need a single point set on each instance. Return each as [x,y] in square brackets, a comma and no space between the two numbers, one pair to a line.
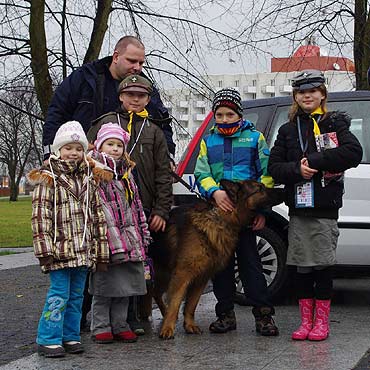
[128,236]
[69,236]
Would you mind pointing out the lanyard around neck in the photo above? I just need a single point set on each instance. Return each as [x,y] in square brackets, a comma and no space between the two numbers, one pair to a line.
[304,146]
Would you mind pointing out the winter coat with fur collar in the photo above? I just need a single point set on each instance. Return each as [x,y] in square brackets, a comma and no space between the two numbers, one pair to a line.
[286,154]
[150,154]
[68,223]
[128,233]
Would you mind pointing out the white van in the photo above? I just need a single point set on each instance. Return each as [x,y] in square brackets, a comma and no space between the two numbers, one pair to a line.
[354,220]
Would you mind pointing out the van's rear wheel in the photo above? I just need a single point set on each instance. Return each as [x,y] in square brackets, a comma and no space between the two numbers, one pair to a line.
[272,250]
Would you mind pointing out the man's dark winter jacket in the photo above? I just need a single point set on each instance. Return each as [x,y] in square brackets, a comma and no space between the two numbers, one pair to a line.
[286,154]
[80,98]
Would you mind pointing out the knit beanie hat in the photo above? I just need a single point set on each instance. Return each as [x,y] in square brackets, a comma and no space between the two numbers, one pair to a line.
[111,131]
[69,132]
[229,98]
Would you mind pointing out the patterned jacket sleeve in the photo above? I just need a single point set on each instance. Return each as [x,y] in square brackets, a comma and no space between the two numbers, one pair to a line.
[203,174]
[262,162]
[42,220]
[100,229]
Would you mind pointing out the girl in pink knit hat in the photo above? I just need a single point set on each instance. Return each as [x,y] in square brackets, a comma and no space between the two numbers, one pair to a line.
[128,236]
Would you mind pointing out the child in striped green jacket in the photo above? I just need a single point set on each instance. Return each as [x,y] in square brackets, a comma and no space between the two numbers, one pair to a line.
[235,150]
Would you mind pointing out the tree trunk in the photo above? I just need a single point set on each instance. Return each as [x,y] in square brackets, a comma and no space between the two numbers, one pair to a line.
[13,192]
[39,57]
[361,44]
[99,29]
[12,169]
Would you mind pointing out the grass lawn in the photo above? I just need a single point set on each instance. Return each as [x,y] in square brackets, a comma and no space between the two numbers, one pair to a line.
[15,222]
[6,253]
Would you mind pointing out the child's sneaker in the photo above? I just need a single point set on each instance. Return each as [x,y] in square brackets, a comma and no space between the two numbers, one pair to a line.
[73,346]
[126,336]
[137,327]
[52,350]
[103,338]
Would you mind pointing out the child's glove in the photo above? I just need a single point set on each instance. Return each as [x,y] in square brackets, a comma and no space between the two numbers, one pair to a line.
[48,260]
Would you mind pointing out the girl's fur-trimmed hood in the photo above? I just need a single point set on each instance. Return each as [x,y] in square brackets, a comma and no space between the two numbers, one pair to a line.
[43,175]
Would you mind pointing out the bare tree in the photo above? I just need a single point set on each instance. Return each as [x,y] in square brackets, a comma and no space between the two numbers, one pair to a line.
[54,35]
[45,40]
[342,27]
[20,133]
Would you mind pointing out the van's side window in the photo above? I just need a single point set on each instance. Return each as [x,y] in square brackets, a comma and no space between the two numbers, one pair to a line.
[360,124]
[281,117]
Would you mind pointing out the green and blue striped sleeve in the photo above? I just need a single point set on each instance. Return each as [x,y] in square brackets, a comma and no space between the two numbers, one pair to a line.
[263,157]
[203,174]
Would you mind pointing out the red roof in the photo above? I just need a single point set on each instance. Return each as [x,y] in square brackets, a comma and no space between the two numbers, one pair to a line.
[307,51]
[308,57]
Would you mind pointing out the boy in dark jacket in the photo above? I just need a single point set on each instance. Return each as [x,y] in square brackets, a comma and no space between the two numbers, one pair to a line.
[148,149]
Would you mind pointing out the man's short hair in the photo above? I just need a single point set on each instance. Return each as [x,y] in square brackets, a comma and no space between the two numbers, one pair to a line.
[124,41]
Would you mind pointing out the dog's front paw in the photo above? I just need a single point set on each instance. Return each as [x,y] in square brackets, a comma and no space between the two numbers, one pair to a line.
[167,333]
[192,329]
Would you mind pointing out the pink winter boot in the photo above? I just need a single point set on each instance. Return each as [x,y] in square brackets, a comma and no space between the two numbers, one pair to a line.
[306,309]
[320,329]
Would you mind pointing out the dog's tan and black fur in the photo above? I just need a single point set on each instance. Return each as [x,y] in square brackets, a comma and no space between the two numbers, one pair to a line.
[198,242]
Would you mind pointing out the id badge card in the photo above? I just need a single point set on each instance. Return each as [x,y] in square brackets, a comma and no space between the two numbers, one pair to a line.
[304,196]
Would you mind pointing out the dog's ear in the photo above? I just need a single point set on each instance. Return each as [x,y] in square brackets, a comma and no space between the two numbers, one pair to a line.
[231,189]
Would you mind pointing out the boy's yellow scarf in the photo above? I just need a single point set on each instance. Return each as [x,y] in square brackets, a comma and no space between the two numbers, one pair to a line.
[143,114]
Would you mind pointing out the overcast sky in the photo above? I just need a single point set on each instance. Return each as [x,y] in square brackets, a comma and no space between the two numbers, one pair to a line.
[198,51]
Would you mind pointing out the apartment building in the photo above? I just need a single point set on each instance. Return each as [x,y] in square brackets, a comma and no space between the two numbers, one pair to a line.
[190,108]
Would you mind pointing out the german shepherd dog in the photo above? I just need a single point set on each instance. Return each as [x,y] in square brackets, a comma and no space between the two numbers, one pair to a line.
[198,242]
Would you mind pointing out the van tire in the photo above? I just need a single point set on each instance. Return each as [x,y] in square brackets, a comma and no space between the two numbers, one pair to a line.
[274,250]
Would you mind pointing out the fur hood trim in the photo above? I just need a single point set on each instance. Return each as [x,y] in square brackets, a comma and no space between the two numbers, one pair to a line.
[43,175]
[338,115]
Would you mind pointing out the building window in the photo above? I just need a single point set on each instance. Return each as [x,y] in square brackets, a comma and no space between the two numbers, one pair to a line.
[236,83]
[254,82]
[254,96]
[220,83]
[272,82]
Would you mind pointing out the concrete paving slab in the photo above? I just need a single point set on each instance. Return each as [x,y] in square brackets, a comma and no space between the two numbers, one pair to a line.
[26,258]
[240,349]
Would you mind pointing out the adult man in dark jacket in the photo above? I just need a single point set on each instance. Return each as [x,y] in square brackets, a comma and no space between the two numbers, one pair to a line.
[91,91]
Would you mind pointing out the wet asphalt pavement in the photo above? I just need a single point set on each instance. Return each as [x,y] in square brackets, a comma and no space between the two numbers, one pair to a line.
[23,291]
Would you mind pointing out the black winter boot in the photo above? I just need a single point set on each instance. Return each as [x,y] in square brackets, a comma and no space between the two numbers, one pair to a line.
[133,316]
[265,324]
[224,323]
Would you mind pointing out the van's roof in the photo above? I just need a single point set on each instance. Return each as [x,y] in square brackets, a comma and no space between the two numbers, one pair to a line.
[286,100]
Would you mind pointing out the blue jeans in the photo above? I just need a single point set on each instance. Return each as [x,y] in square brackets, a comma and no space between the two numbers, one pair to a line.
[250,273]
[60,319]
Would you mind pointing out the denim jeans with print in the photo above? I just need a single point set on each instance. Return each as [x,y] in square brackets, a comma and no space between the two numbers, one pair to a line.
[60,319]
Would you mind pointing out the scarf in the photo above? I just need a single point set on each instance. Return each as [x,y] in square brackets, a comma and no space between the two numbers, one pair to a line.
[316,129]
[229,129]
[143,114]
